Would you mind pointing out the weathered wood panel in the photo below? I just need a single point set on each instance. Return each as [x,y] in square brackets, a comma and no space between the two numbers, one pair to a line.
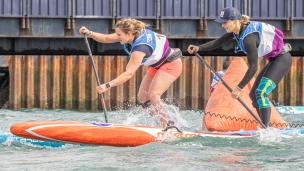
[69,82]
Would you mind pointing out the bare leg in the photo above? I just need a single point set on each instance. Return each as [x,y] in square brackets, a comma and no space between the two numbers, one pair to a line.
[142,95]
[153,86]
[160,83]
[152,89]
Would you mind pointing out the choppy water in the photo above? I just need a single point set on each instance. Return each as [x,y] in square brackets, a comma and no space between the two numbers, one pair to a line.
[196,153]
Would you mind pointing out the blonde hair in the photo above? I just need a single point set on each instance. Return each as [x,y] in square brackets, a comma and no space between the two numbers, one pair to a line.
[128,24]
[245,19]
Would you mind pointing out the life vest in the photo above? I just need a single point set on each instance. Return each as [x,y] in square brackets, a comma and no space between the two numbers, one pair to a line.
[158,42]
[271,39]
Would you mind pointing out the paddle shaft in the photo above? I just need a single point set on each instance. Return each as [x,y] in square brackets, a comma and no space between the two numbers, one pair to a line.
[227,86]
[97,78]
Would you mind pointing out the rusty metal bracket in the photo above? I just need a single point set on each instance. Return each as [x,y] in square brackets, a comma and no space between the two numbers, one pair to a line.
[114,19]
[202,25]
[113,23]
[158,25]
[288,24]
[25,22]
[70,23]
[158,21]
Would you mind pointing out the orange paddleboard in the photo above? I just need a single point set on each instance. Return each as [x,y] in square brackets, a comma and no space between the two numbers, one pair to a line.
[95,133]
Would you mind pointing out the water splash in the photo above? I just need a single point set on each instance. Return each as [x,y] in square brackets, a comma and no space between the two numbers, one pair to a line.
[11,140]
[139,116]
[173,113]
[269,135]
[287,110]
[292,133]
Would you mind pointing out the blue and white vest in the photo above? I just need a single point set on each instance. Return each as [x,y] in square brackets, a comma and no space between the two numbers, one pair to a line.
[271,39]
[159,44]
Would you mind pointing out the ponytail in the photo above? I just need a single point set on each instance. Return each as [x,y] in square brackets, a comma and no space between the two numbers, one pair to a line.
[245,19]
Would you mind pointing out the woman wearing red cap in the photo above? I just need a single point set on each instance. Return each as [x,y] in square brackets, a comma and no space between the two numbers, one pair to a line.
[255,39]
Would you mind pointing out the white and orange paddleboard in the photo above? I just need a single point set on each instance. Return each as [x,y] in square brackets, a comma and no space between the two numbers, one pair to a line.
[106,133]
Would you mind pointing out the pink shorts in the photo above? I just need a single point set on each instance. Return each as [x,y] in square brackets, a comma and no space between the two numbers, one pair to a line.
[173,68]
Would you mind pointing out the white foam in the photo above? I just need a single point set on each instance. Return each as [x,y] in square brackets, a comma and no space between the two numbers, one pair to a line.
[269,135]
[146,117]
[173,113]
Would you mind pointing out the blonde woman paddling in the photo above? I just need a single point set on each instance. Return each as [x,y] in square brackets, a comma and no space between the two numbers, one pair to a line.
[256,39]
[148,48]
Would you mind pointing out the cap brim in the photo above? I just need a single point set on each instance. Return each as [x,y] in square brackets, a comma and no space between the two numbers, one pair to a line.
[221,20]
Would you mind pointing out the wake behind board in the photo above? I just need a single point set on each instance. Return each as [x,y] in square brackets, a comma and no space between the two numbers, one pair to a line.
[290,109]
[8,139]
[106,133]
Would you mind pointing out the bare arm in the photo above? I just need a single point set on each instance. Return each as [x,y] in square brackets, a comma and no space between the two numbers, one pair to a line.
[105,38]
[99,37]
[133,65]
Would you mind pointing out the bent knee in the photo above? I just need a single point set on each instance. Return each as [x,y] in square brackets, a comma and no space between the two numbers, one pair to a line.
[262,99]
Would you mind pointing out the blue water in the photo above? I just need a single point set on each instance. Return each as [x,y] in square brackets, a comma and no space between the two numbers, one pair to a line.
[197,153]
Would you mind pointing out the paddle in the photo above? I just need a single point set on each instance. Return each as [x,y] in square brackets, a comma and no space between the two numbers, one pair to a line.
[227,86]
[97,78]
